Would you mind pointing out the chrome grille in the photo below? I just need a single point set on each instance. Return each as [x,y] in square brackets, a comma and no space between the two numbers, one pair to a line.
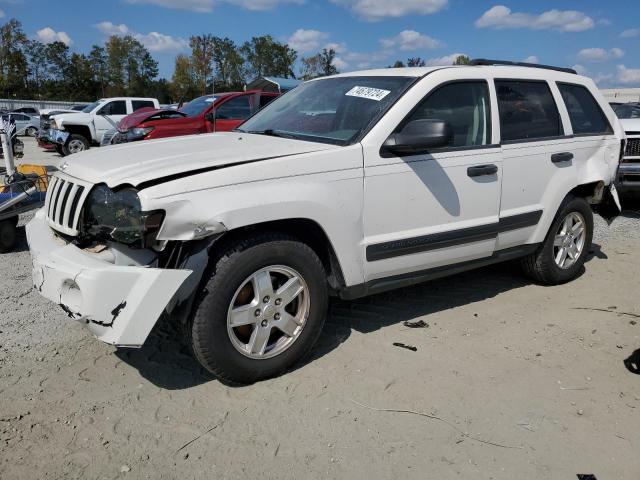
[633,147]
[63,203]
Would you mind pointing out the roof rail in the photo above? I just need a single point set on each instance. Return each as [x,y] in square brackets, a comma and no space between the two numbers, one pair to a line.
[484,61]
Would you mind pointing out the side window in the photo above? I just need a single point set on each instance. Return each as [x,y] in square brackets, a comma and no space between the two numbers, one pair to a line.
[138,104]
[587,118]
[117,107]
[265,99]
[237,108]
[527,110]
[464,106]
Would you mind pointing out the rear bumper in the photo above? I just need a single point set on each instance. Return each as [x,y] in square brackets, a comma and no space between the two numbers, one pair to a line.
[628,179]
[118,304]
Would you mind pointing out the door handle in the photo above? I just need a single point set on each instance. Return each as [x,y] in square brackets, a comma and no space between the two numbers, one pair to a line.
[561,157]
[481,170]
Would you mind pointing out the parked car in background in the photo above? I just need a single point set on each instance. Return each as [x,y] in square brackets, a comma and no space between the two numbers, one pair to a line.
[348,185]
[25,124]
[221,112]
[27,110]
[75,132]
[629,170]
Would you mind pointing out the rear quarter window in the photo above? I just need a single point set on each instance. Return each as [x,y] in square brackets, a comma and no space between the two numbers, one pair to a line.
[587,118]
[527,111]
[138,104]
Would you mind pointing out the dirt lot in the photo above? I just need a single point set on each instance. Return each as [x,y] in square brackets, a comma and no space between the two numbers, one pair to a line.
[515,381]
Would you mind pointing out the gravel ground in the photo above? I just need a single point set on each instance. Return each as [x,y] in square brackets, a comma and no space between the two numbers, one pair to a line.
[516,381]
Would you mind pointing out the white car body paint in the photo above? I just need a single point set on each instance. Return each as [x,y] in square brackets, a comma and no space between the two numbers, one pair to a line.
[209,184]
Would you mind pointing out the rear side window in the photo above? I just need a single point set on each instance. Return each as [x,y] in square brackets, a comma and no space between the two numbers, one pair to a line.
[464,106]
[264,99]
[527,110]
[117,107]
[237,108]
[138,104]
[587,118]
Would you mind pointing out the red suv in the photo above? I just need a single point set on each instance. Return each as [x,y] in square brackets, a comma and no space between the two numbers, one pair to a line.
[221,112]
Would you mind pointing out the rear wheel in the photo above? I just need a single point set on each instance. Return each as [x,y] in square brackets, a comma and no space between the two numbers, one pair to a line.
[562,255]
[31,131]
[75,144]
[8,234]
[261,310]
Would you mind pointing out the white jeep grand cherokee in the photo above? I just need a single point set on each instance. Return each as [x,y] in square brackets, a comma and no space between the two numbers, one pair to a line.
[348,185]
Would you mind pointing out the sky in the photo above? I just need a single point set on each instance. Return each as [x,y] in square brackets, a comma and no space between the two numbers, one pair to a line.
[598,38]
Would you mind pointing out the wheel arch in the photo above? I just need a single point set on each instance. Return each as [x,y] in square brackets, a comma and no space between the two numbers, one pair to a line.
[307,231]
[82,130]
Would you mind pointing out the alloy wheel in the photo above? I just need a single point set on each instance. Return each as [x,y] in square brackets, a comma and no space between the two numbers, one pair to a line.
[569,240]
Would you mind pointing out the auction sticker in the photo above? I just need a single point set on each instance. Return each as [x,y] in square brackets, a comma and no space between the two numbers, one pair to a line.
[376,94]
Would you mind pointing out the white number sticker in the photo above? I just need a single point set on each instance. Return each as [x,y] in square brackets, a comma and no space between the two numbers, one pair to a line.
[376,94]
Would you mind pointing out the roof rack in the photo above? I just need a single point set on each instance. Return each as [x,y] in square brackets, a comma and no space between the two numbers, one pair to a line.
[484,61]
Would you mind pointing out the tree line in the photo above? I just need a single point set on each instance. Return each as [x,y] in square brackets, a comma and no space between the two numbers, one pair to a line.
[122,66]
[30,69]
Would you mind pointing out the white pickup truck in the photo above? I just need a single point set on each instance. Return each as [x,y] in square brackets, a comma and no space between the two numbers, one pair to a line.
[75,132]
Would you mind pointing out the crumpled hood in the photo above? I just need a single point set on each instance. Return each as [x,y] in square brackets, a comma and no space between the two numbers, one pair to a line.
[630,124]
[136,118]
[79,118]
[138,162]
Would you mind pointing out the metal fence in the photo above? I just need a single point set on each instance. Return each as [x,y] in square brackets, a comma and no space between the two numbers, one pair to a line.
[13,104]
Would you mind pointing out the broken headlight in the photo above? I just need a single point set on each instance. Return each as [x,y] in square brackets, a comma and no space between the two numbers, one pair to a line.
[117,215]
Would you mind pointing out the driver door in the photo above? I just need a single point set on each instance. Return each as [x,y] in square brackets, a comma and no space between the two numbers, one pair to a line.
[232,113]
[439,208]
[108,116]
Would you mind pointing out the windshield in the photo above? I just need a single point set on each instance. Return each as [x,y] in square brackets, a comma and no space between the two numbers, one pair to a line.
[332,110]
[198,105]
[89,108]
[627,111]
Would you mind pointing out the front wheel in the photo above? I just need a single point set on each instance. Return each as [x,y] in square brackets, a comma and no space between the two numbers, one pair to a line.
[31,131]
[75,144]
[8,234]
[261,310]
[561,256]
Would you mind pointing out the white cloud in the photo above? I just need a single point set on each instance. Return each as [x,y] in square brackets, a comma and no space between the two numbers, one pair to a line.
[409,40]
[2,14]
[446,60]
[580,69]
[600,54]
[49,35]
[374,10]
[600,78]
[340,64]
[500,17]
[154,41]
[206,6]
[531,59]
[628,76]
[109,28]
[632,32]
[306,40]
[261,4]
[336,47]
[193,5]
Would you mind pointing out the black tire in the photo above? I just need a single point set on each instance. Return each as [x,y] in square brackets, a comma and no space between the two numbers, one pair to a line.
[60,149]
[236,262]
[31,131]
[74,140]
[8,234]
[541,265]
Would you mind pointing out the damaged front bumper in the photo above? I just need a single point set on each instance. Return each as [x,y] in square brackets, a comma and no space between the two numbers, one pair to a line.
[119,304]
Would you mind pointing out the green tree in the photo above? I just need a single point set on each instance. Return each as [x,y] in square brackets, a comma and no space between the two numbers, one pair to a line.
[461,60]
[183,85]
[318,65]
[38,66]
[398,64]
[81,84]
[228,63]
[13,61]
[202,53]
[100,67]
[130,66]
[266,57]
[415,62]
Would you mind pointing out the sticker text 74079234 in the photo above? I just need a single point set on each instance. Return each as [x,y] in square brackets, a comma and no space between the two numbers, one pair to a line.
[376,94]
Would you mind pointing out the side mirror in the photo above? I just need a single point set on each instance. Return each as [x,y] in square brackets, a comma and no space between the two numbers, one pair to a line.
[419,136]
[210,117]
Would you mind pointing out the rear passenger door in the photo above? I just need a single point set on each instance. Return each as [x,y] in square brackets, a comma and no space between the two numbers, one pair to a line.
[536,154]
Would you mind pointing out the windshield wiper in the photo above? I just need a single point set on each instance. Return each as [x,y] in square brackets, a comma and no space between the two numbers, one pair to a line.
[269,132]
